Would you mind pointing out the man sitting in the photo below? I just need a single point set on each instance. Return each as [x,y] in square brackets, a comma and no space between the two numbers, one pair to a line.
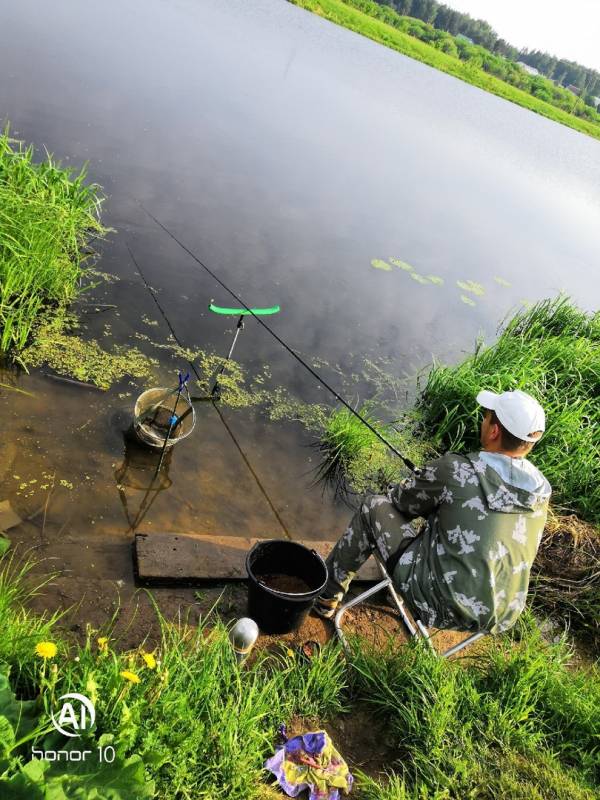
[468,567]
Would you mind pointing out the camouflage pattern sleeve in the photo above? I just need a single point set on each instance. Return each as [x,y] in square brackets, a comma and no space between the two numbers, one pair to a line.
[422,493]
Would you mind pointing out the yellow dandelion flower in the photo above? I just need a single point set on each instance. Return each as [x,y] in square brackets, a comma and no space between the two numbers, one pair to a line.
[290,653]
[149,660]
[46,649]
[103,644]
[130,676]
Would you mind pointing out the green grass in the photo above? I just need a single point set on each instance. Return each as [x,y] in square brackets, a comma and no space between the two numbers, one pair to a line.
[21,629]
[47,215]
[344,14]
[202,726]
[516,721]
[551,351]
[353,459]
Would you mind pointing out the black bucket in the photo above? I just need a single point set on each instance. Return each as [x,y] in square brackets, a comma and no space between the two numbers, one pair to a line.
[277,611]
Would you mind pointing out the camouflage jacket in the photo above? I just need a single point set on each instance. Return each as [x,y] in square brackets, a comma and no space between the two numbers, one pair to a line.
[469,568]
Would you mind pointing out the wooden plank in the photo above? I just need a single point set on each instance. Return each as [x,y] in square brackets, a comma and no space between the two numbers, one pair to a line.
[185,558]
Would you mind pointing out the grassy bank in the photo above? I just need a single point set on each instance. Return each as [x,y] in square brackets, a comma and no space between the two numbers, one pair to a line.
[186,722]
[354,460]
[348,13]
[47,216]
[552,351]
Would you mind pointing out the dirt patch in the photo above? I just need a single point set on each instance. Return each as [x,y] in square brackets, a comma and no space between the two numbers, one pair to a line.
[359,737]
[93,586]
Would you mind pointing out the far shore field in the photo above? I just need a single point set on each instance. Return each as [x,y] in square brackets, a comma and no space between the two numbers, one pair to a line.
[344,14]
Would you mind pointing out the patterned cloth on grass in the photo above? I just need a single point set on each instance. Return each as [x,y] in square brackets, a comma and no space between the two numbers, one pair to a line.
[310,761]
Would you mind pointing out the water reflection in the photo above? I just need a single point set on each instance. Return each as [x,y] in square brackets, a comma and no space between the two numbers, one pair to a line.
[141,477]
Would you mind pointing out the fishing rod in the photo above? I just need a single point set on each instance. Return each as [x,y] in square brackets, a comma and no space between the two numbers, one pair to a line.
[210,397]
[407,462]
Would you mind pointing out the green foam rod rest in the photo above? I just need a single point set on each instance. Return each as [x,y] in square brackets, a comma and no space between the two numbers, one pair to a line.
[260,312]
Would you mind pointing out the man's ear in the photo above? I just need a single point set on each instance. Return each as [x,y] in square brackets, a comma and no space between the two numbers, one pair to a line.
[495,431]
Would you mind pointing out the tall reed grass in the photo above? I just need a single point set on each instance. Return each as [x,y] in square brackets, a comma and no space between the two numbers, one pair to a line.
[353,460]
[47,215]
[551,351]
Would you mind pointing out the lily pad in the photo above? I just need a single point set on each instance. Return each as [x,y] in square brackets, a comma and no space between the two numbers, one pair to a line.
[436,280]
[471,286]
[501,281]
[402,264]
[379,264]
[419,278]
[468,300]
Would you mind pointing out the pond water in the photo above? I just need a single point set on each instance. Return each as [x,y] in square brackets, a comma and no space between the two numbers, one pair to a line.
[293,157]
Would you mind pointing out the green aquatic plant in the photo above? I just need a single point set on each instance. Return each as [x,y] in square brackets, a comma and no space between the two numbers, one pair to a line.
[239,390]
[552,351]
[502,281]
[355,460]
[48,214]
[402,264]
[435,279]
[471,286]
[468,300]
[55,344]
[419,278]
[379,264]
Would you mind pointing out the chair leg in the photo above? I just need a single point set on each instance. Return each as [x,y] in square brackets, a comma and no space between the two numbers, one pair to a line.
[420,628]
[399,603]
[461,645]
[337,621]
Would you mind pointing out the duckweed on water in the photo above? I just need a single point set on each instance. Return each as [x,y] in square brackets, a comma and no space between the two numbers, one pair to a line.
[56,345]
[238,391]
[105,277]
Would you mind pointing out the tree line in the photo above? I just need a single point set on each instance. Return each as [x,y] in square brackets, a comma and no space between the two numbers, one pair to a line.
[442,17]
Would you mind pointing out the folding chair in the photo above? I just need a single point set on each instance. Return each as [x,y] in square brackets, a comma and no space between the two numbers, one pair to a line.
[416,630]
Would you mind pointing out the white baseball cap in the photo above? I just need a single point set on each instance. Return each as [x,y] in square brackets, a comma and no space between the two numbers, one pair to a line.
[520,413]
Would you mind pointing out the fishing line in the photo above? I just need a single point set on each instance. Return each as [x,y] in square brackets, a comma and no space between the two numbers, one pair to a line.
[217,409]
[278,338]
